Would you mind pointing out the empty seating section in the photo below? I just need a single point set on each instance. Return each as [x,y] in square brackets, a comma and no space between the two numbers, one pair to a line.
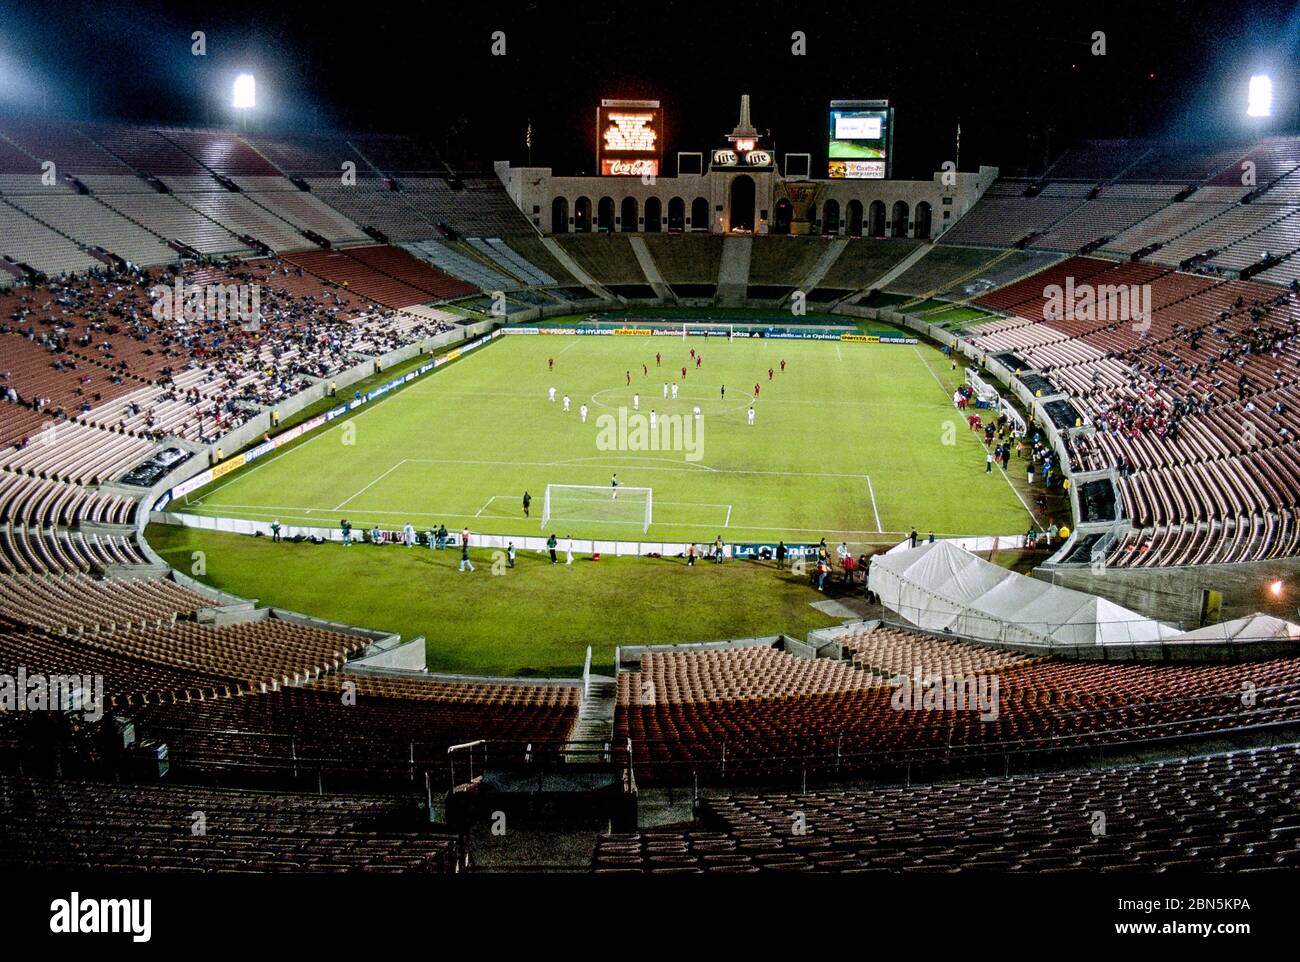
[782,261]
[221,152]
[308,212]
[608,258]
[536,266]
[399,264]
[714,713]
[93,224]
[478,207]
[892,653]
[339,267]
[71,151]
[73,452]
[33,550]
[375,733]
[1005,220]
[460,264]
[1215,813]
[25,240]
[145,151]
[311,155]
[734,673]
[137,828]
[371,203]
[170,218]
[238,213]
[76,604]
[864,261]
[37,501]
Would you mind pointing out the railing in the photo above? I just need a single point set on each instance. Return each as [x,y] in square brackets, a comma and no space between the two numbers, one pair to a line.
[1081,732]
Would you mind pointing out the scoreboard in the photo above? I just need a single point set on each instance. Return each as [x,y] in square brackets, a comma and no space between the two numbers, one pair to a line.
[861,140]
[629,138]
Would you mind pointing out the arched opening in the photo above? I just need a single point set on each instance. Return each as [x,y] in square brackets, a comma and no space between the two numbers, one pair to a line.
[605,214]
[582,215]
[742,203]
[627,214]
[831,217]
[922,220]
[560,215]
[876,219]
[853,218]
[783,215]
[699,214]
[676,214]
[653,215]
[898,219]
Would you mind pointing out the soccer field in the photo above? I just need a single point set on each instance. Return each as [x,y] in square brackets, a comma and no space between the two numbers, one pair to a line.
[853,441]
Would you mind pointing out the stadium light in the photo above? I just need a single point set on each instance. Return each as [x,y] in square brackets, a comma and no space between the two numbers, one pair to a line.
[245,92]
[1276,588]
[1259,97]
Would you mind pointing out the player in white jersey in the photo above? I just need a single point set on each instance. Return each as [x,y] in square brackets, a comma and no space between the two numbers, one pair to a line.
[665,390]
[697,410]
[636,402]
[750,415]
[653,419]
[582,412]
[566,404]
[551,395]
[674,392]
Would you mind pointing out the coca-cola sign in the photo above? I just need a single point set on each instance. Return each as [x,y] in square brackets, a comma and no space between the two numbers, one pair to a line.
[616,167]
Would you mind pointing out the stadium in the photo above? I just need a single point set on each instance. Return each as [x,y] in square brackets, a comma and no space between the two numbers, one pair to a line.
[777,502]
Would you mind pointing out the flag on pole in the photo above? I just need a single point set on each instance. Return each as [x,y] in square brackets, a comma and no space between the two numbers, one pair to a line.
[528,134]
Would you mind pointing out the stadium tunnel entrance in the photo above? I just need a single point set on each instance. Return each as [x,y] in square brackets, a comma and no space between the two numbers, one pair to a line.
[741,207]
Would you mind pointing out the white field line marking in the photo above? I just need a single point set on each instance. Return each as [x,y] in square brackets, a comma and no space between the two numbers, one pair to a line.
[727,523]
[874,510]
[370,485]
[942,387]
[240,476]
[281,511]
[636,466]
[1005,476]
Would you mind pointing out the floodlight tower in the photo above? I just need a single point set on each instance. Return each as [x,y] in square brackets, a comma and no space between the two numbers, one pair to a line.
[244,98]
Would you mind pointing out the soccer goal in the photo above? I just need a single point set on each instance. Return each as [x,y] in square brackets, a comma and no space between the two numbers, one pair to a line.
[598,504]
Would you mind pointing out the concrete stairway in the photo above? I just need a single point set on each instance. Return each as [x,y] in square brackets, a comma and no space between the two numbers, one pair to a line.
[733,274]
[596,715]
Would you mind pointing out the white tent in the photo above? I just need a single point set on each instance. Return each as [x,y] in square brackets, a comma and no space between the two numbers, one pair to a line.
[1256,627]
[942,586]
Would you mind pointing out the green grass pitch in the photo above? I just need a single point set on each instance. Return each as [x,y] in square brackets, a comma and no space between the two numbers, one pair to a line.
[854,441]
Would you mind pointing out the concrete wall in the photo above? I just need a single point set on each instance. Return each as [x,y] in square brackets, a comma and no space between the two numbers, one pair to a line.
[1174,594]
[534,189]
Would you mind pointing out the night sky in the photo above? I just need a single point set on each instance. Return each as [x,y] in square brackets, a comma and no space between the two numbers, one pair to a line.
[1019,77]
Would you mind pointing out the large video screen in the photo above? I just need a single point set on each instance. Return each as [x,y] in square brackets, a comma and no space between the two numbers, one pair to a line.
[860,140]
[629,138]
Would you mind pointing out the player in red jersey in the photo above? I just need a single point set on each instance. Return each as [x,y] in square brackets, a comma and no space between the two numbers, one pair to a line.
[658,360]
[782,365]
[629,378]
[699,358]
[550,364]
[756,390]
[645,371]
[683,372]
[769,374]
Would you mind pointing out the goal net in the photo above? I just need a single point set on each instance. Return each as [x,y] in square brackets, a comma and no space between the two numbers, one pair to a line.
[597,504]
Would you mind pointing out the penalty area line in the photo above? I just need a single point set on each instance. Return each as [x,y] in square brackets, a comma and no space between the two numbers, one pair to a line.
[874,510]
